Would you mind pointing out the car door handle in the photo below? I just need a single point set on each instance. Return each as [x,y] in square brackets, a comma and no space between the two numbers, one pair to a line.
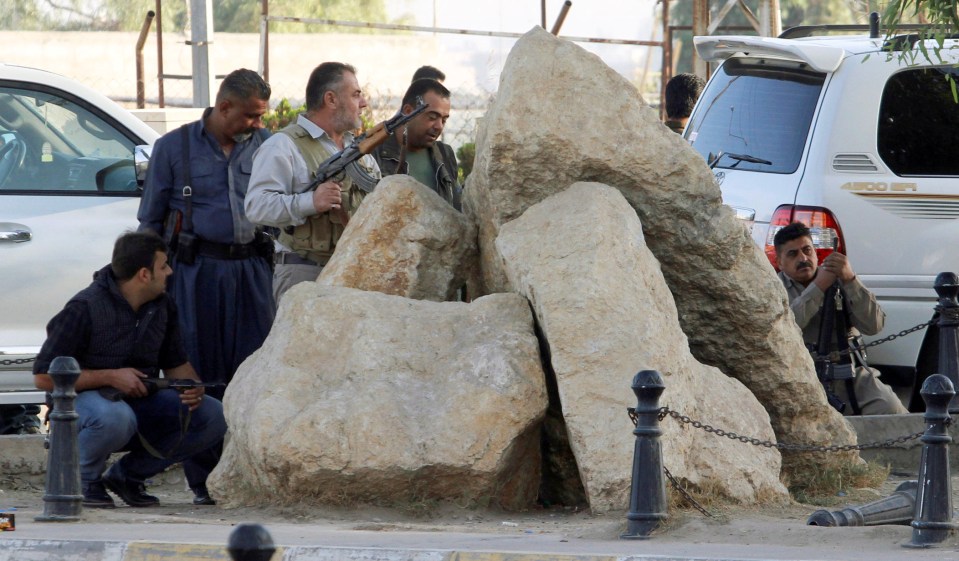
[14,233]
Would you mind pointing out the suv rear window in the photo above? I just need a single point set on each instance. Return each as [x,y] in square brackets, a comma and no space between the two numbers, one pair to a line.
[918,123]
[756,107]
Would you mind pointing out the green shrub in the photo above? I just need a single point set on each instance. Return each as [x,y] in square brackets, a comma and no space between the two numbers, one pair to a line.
[282,115]
[465,155]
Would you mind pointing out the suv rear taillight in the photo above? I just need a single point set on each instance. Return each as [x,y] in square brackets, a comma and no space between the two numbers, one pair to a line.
[822,225]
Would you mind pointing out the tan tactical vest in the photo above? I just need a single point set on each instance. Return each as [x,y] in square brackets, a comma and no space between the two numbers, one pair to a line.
[316,238]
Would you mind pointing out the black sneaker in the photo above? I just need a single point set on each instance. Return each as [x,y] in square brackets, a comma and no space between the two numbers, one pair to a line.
[132,492]
[202,497]
[95,496]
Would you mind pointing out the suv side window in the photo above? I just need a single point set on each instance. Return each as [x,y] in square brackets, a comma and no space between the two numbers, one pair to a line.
[50,143]
[756,107]
[919,123]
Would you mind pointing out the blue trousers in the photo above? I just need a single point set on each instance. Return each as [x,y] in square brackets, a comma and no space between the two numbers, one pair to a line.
[226,311]
[106,426]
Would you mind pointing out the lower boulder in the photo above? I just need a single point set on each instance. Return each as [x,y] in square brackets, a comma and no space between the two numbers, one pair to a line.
[606,312]
[364,397]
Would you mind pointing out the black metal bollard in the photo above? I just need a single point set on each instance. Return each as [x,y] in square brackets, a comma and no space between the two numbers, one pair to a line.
[250,542]
[898,508]
[947,287]
[647,495]
[62,498]
[933,519]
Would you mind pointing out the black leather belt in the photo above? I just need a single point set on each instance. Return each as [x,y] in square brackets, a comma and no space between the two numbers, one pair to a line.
[290,258]
[225,250]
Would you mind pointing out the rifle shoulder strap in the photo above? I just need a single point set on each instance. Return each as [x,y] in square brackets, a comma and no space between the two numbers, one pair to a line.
[187,179]
[842,324]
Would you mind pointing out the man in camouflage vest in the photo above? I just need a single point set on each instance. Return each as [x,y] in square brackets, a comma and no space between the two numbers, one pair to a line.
[310,221]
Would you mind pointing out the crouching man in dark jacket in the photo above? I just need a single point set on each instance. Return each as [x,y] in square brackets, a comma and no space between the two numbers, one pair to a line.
[120,329]
[415,149]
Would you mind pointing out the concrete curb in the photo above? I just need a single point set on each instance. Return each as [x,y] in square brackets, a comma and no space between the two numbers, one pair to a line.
[53,550]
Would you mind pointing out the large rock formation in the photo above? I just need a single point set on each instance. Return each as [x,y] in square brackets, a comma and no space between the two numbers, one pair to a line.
[363,397]
[562,116]
[404,240]
[612,316]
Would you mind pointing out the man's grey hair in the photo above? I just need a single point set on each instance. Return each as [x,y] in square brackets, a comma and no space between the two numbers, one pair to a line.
[325,78]
[243,84]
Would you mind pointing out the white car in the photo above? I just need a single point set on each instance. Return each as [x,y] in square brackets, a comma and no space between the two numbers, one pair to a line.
[839,132]
[68,189]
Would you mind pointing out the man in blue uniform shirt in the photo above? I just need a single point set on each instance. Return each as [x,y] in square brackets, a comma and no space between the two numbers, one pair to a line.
[222,280]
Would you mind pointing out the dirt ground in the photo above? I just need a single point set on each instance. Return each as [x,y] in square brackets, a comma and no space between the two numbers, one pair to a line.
[774,525]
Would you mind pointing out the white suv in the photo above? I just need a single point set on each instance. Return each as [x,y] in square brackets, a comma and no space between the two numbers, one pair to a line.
[840,133]
[68,188]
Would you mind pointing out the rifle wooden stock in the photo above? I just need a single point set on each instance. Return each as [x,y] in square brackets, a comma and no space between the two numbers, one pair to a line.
[374,137]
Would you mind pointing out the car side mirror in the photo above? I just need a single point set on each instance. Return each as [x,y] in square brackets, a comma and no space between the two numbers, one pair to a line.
[141,161]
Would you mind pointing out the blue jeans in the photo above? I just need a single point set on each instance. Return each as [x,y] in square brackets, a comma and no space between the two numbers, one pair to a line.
[168,426]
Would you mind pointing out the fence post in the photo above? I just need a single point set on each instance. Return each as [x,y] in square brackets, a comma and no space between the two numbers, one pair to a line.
[62,499]
[647,496]
[250,542]
[898,508]
[947,287]
[933,518]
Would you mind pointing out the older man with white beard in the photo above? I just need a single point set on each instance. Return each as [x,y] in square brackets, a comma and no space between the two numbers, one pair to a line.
[310,222]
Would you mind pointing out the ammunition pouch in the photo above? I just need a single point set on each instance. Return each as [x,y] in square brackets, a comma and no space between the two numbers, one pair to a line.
[842,371]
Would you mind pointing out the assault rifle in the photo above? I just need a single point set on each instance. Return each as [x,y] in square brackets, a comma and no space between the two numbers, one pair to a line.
[346,159]
[154,385]
[834,322]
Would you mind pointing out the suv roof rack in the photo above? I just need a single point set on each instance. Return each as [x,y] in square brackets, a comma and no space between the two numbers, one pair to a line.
[824,29]
[873,28]
[907,42]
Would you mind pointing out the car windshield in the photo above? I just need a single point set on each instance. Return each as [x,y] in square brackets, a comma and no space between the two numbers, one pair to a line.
[758,107]
[51,143]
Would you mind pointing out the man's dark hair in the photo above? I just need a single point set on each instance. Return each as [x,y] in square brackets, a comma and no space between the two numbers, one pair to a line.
[325,78]
[243,84]
[789,233]
[682,91]
[134,251]
[430,72]
[420,87]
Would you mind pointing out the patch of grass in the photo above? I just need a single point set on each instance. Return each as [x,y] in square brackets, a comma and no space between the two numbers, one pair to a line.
[825,486]
[710,496]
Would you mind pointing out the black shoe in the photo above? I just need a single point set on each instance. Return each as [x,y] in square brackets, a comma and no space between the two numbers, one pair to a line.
[95,496]
[202,497]
[132,492]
